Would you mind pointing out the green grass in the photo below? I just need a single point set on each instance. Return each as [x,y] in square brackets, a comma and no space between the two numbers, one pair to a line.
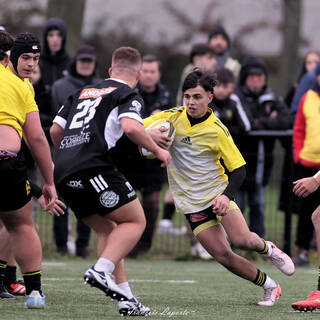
[215,293]
[173,246]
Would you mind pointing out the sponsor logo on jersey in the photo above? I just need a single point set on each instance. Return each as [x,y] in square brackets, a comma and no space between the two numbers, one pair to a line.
[186,140]
[95,93]
[74,140]
[109,199]
[136,106]
[196,217]
[75,184]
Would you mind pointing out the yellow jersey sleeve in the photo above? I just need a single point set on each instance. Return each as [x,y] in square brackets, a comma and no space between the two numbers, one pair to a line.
[230,154]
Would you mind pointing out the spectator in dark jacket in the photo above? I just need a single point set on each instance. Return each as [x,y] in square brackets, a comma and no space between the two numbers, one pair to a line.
[81,72]
[229,111]
[265,112]
[54,62]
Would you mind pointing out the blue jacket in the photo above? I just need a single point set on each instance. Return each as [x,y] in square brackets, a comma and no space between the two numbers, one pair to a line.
[308,81]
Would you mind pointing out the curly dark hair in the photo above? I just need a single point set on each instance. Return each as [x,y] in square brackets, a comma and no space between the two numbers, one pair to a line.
[197,77]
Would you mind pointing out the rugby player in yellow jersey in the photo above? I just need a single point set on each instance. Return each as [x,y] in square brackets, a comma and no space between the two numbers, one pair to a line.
[19,117]
[202,191]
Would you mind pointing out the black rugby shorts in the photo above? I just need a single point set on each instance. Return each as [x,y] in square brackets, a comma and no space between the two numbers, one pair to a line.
[96,191]
[14,187]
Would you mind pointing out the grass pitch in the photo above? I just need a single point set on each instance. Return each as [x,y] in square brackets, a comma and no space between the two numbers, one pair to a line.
[172,289]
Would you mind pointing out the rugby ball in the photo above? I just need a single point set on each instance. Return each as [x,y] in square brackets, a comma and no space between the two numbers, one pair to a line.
[170,132]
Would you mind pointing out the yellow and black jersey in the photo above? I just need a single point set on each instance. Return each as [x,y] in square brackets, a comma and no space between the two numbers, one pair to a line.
[195,173]
[16,99]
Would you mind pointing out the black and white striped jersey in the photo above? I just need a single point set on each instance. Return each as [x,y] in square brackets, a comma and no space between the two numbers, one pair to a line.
[91,122]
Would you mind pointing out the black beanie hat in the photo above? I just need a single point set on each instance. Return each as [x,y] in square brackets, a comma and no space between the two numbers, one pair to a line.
[24,43]
[220,30]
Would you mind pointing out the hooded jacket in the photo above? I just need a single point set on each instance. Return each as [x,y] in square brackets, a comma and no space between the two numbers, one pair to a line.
[53,67]
[259,107]
[68,85]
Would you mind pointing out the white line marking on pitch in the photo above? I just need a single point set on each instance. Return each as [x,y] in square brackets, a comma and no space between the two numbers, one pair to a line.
[53,264]
[134,280]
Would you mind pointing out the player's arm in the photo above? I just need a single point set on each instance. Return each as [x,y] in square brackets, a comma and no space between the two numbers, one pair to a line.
[235,164]
[56,133]
[38,144]
[221,203]
[60,122]
[303,187]
[137,133]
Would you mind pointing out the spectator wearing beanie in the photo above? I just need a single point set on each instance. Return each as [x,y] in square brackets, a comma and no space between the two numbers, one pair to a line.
[201,56]
[81,73]
[220,42]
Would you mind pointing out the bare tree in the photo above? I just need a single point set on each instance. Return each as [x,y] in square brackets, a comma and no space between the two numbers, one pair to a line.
[72,12]
[291,39]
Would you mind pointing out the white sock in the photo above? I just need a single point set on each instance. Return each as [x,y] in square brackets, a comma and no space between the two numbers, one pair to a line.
[124,286]
[270,283]
[104,265]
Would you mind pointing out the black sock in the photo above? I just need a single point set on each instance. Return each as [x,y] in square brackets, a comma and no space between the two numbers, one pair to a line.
[318,278]
[10,275]
[168,210]
[260,279]
[3,266]
[265,249]
[32,281]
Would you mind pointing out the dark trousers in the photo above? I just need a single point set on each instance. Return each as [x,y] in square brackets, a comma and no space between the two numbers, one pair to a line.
[150,204]
[61,231]
[308,205]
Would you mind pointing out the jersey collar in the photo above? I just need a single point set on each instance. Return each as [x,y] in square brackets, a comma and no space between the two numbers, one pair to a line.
[118,80]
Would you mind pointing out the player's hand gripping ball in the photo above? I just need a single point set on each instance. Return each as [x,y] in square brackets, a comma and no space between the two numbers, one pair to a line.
[170,132]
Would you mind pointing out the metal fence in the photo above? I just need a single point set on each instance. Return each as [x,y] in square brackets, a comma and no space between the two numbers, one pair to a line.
[280,225]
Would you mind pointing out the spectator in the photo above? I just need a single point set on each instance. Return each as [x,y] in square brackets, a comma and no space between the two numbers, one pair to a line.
[147,176]
[54,62]
[308,81]
[201,56]
[229,111]
[309,63]
[220,42]
[306,154]
[81,73]
[265,112]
